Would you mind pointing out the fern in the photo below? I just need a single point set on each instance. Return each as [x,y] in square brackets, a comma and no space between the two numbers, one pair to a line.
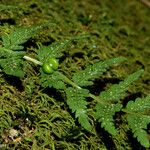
[86,77]
[77,103]
[138,119]
[105,110]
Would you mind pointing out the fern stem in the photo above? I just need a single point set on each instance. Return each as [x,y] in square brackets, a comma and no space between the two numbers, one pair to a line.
[33,60]
[96,98]
[133,113]
[67,80]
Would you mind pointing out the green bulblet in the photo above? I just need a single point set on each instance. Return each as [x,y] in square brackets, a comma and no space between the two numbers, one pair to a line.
[53,63]
[50,65]
[47,68]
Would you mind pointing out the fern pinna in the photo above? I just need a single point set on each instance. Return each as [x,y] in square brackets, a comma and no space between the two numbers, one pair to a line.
[107,103]
[138,116]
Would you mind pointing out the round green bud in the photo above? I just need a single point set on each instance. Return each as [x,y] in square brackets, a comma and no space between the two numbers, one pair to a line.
[46,67]
[53,63]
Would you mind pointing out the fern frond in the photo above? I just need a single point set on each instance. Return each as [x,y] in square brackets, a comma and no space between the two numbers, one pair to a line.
[138,119]
[77,103]
[116,91]
[86,77]
[52,51]
[54,80]
[104,114]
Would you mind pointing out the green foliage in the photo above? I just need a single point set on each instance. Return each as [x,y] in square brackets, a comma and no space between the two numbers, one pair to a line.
[106,104]
[104,114]
[76,99]
[14,40]
[11,53]
[42,118]
[105,109]
[85,77]
[55,80]
[52,51]
[11,62]
[116,91]
[55,49]
[76,96]
[138,119]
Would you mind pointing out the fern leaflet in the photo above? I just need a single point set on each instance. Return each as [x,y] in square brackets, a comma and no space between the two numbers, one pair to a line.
[85,77]
[105,113]
[77,103]
[54,80]
[14,40]
[55,49]
[116,91]
[52,51]
[11,62]
[105,110]
[138,119]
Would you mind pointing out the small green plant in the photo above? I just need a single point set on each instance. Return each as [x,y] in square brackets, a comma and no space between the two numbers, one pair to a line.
[76,89]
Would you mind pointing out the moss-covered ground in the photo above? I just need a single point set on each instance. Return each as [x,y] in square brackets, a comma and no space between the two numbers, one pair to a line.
[37,119]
